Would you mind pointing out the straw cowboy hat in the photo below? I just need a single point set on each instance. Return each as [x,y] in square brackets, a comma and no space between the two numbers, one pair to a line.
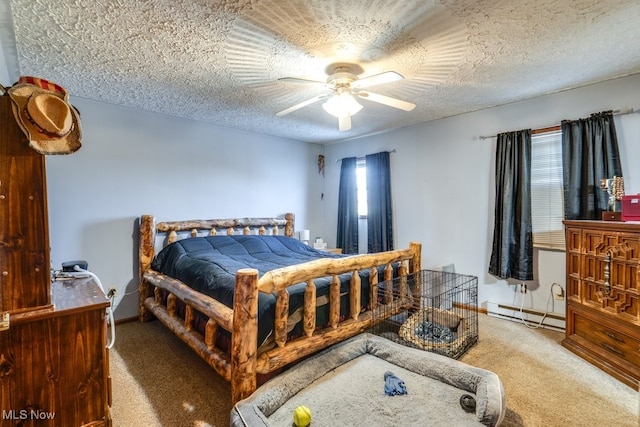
[43,111]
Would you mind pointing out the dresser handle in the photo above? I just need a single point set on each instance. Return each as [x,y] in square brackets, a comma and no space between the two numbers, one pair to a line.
[614,337]
[612,349]
[607,262]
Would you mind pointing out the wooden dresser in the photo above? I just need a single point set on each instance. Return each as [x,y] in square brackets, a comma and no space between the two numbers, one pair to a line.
[54,367]
[603,296]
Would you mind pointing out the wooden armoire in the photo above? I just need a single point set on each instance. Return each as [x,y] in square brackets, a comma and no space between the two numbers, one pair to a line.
[603,296]
[54,367]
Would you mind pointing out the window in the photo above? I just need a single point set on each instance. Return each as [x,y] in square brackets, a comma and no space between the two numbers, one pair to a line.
[361,184]
[547,195]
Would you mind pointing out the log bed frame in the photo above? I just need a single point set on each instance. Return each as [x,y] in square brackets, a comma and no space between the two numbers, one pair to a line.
[243,363]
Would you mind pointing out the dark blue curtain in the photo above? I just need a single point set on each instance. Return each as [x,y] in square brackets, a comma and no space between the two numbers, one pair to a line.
[512,252]
[347,236]
[589,154]
[379,212]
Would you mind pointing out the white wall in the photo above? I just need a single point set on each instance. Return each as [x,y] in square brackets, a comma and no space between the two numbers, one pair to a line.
[133,163]
[443,181]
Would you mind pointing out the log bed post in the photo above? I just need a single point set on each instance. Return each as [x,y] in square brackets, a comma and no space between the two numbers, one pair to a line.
[415,265]
[416,261]
[244,338]
[146,253]
[288,228]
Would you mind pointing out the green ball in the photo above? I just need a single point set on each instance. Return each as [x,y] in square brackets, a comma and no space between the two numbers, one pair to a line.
[302,416]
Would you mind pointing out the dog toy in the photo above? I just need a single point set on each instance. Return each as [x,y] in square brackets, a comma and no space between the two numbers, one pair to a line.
[393,385]
[302,416]
[468,403]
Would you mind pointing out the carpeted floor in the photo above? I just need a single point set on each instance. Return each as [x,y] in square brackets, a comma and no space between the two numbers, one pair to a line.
[158,381]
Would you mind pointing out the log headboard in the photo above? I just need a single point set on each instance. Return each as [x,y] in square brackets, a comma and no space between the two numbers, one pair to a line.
[150,231]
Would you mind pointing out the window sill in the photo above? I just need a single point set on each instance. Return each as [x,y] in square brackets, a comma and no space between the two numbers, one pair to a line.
[542,247]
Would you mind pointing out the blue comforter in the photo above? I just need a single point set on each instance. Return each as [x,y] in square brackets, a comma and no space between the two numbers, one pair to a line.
[209,265]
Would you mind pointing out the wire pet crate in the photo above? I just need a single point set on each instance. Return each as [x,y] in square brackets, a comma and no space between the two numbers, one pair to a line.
[443,318]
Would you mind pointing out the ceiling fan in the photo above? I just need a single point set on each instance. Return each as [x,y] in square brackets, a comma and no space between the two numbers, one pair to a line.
[343,84]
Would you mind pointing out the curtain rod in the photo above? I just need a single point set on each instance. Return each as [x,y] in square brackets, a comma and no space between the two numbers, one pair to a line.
[362,157]
[615,113]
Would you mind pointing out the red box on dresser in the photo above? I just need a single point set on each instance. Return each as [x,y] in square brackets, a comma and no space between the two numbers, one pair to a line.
[631,207]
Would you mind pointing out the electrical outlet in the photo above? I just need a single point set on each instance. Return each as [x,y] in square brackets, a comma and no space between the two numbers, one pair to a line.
[523,288]
[111,293]
[558,293]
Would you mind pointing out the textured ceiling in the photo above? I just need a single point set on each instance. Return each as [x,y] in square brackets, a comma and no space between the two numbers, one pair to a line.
[220,61]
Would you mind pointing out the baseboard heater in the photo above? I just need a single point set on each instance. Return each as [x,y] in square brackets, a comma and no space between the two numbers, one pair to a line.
[532,317]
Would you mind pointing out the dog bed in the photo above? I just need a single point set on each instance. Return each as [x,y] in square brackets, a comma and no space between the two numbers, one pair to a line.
[437,330]
[344,385]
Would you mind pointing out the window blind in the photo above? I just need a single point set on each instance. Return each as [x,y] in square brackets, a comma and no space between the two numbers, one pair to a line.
[547,195]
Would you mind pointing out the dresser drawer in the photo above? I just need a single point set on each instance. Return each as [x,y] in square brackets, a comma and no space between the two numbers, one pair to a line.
[613,342]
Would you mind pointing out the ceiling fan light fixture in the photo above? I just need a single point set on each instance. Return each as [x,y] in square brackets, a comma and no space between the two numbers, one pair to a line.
[344,85]
[342,104]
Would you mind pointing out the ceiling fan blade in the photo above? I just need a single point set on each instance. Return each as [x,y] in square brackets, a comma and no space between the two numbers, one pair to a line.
[344,122]
[299,80]
[387,100]
[377,79]
[300,105]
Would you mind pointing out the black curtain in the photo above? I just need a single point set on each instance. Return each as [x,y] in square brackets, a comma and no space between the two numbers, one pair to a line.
[512,253]
[379,212]
[347,236]
[589,153]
